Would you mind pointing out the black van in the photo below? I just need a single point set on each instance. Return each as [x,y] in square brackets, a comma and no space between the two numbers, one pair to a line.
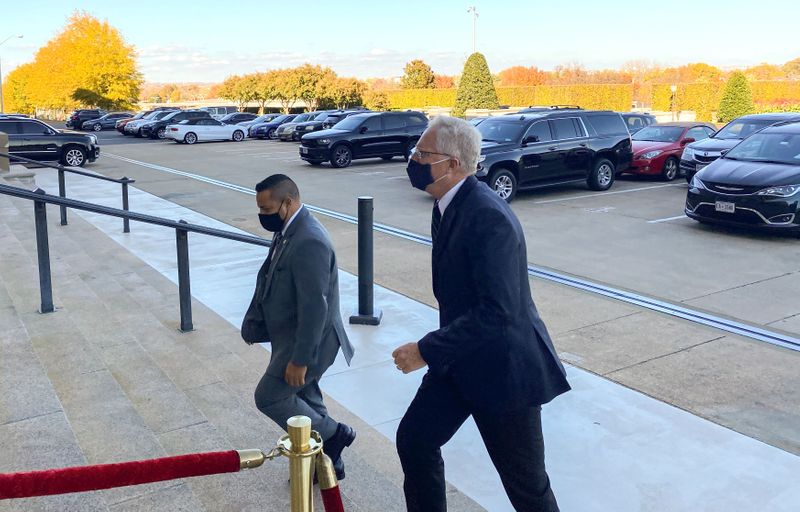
[368,135]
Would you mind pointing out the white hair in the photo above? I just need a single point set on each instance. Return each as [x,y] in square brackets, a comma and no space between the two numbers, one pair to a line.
[459,139]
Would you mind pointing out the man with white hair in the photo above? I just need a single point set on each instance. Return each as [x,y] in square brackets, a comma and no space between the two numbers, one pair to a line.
[492,357]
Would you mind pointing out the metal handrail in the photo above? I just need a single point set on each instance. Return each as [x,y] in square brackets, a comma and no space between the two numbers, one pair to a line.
[62,187]
[40,199]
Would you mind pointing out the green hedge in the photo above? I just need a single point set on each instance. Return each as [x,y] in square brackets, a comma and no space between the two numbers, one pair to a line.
[597,96]
[704,98]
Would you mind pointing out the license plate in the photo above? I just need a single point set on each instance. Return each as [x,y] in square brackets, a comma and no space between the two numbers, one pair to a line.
[304,150]
[699,167]
[722,206]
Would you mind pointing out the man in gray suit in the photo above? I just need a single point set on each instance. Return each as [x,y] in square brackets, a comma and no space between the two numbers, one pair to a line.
[295,307]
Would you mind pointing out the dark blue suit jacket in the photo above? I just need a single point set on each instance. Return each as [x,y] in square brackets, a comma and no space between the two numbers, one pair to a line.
[491,344]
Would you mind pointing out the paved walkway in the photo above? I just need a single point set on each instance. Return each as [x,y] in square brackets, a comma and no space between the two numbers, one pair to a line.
[608,447]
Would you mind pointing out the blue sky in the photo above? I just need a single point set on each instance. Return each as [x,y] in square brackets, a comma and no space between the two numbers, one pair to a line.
[205,41]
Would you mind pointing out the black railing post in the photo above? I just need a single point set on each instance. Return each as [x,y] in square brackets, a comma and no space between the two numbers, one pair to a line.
[366,314]
[62,192]
[43,252]
[184,288]
[126,223]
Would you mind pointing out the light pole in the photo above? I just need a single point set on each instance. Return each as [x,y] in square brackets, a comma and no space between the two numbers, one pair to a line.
[474,12]
[674,89]
[1,73]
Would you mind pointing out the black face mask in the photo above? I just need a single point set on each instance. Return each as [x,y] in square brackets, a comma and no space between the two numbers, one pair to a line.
[420,174]
[272,221]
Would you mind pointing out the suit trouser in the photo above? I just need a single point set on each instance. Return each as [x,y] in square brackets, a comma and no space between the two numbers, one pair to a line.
[514,441]
[280,401]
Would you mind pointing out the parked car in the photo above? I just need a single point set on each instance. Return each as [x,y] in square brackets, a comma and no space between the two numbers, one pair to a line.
[657,149]
[157,128]
[699,154]
[77,117]
[265,118]
[334,117]
[268,130]
[237,117]
[135,127]
[30,138]
[105,122]
[286,132]
[364,135]
[755,185]
[314,125]
[204,129]
[220,112]
[638,120]
[548,148]
[120,125]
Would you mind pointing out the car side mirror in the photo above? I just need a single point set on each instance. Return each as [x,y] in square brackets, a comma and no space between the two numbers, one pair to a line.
[687,140]
[722,153]
[363,129]
[531,139]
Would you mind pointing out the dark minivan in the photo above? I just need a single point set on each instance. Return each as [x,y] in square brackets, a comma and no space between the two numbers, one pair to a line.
[542,149]
[368,135]
[699,154]
[755,185]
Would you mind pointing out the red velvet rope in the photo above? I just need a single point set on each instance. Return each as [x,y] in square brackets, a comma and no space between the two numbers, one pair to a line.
[106,476]
[332,499]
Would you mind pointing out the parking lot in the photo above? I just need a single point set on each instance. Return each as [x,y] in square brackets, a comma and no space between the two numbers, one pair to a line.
[632,237]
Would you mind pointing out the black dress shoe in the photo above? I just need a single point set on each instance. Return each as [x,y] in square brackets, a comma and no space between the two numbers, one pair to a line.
[333,447]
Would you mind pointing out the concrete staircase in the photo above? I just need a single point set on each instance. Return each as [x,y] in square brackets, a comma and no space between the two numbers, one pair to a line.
[109,378]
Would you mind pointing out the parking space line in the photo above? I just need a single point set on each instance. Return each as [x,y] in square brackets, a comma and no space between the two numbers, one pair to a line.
[667,219]
[600,194]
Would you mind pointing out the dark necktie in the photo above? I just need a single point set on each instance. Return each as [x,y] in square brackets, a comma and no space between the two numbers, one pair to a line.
[276,240]
[436,221]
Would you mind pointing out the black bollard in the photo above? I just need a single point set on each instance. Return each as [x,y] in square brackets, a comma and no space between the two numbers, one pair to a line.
[366,314]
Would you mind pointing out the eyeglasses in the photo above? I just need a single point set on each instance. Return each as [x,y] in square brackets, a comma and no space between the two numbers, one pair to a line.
[421,155]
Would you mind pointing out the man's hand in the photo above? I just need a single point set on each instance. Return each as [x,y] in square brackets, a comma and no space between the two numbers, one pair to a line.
[295,375]
[407,358]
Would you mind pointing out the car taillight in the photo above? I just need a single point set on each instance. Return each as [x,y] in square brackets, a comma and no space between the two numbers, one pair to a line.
[173,129]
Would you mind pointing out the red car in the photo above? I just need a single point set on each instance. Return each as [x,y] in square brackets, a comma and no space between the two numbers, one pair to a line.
[657,149]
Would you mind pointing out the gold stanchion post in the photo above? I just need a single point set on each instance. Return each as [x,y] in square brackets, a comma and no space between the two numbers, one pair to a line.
[301,449]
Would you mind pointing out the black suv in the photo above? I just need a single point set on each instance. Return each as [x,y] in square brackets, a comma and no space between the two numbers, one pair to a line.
[701,153]
[157,129]
[33,139]
[365,135]
[541,149]
[78,117]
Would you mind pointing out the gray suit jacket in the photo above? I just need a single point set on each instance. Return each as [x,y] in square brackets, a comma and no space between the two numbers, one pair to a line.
[295,306]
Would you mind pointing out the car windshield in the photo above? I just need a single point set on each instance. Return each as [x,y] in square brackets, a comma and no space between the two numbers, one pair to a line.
[783,148]
[169,116]
[302,118]
[349,123]
[659,134]
[139,115]
[742,129]
[152,115]
[500,130]
[265,118]
[163,114]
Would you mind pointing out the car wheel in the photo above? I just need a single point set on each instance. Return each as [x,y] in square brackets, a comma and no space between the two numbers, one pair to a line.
[161,133]
[97,127]
[341,156]
[73,156]
[271,134]
[138,133]
[238,136]
[670,170]
[315,162]
[190,138]
[504,184]
[602,176]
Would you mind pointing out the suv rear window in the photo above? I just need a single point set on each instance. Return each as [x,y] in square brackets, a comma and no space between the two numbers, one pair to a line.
[608,124]
[567,128]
